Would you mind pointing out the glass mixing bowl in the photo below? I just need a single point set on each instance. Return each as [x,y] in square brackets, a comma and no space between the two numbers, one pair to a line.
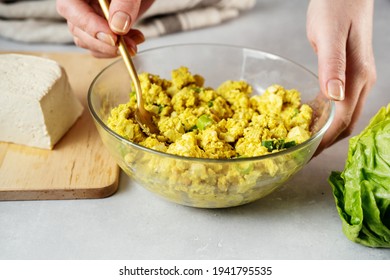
[209,183]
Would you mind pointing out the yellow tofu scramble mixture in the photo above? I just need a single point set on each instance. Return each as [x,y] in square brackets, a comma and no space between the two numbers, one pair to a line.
[223,123]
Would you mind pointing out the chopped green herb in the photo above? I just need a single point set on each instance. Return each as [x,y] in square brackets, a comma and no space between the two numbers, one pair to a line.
[289,144]
[269,144]
[197,89]
[203,122]
[277,144]
[192,128]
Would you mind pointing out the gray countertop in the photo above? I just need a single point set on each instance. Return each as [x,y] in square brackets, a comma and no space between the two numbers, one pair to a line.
[298,221]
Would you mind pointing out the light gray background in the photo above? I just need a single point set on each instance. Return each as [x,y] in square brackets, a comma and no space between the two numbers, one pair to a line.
[298,221]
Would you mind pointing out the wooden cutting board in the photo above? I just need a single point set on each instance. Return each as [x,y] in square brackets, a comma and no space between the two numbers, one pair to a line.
[79,166]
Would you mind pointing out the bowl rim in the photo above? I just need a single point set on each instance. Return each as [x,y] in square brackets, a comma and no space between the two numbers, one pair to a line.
[184,158]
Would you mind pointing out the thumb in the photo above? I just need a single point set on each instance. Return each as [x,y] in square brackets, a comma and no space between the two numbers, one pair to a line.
[123,14]
[332,65]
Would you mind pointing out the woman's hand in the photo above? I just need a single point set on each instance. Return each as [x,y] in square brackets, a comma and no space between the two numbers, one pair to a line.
[341,35]
[91,30]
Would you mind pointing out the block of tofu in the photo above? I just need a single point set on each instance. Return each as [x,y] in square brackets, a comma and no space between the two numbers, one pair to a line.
[37,103]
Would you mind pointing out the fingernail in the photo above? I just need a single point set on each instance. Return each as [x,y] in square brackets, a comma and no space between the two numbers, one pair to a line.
[120,22]
[138,38]
[133,50]
[106,38]
[336,89]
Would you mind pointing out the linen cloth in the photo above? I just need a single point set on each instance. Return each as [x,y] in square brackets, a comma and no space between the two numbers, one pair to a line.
[37,21]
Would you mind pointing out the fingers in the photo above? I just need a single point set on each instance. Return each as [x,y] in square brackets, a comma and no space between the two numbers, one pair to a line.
[342,39]
[89,29]
[361,75]
[329,42]
[84,16]
[100,46]
[92,31]
[132,39]
[332,63]
[328,34]
[346,115]
[123,14]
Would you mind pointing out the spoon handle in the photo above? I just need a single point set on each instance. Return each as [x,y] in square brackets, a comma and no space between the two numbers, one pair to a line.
[126,58]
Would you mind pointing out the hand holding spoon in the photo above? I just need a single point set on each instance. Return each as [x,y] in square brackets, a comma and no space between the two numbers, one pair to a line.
[142,116]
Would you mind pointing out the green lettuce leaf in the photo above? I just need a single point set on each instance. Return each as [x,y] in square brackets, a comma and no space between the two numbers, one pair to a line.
[362,190]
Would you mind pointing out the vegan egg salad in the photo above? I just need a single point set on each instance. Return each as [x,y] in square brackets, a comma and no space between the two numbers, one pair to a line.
[223,123]
[228,122]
